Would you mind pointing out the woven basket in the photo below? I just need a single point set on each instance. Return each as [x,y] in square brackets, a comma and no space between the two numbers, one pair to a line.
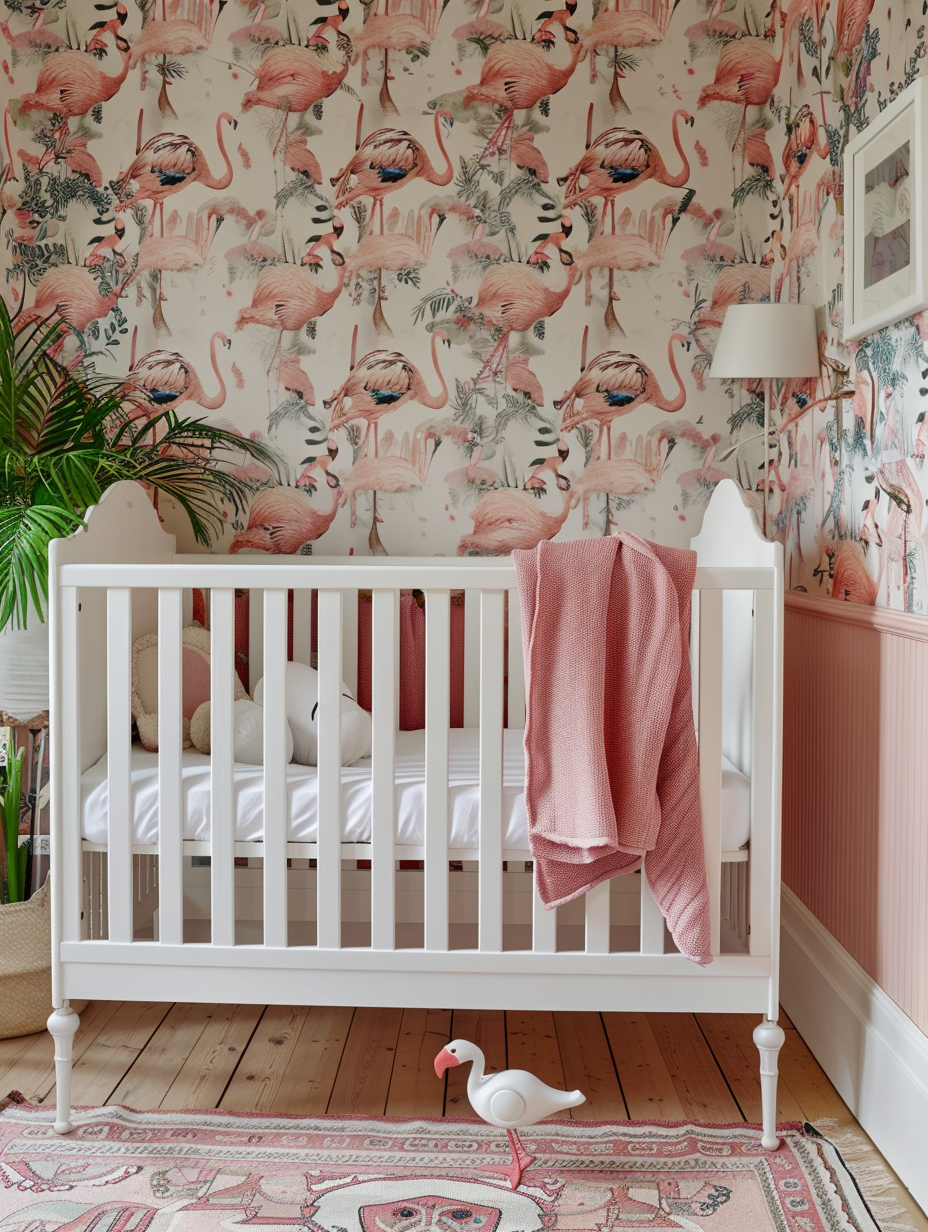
[25,965]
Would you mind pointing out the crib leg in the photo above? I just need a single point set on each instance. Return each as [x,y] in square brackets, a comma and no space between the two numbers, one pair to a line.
[63,1024]
[769,1038]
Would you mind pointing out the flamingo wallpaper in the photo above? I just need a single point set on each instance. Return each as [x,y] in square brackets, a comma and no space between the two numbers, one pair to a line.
[464,263]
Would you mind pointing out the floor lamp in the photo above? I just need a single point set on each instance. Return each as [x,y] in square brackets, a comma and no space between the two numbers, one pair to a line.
[767,340]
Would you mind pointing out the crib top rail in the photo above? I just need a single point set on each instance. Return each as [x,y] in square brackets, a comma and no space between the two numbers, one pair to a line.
[343,573]
[124,545]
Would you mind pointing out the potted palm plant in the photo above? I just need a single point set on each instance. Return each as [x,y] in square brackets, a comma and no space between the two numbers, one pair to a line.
[65,436]
[25,926]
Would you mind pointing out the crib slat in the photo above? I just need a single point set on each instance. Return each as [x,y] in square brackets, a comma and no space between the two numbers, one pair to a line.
[329,861]
[222,791]
[764,759]
[437,701]
[597,919]
[490,875]
[471,658]
[302,624]
[255,637]
[119,763]
[710,748]
[170,783]
[350,639]
[67,794]
[544,924]
[652,922]
[515,701]
[385,606]
[276,812]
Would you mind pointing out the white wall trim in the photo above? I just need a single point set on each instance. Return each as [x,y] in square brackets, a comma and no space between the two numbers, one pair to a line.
[874,1054]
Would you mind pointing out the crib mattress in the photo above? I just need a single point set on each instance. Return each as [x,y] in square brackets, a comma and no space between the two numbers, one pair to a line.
[302,785]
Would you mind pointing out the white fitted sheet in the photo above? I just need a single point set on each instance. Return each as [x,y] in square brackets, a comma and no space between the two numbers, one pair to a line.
[356,796]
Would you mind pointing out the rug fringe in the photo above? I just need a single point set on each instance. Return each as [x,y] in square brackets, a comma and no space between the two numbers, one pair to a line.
[876,1185]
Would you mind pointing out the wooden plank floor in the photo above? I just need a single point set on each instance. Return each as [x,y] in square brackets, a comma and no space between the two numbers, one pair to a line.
[312,1060]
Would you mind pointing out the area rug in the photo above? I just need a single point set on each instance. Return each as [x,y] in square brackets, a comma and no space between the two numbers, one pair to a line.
[126,1171]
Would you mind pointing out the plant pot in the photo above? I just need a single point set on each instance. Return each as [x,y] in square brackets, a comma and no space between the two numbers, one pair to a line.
[26,964]
[24,668]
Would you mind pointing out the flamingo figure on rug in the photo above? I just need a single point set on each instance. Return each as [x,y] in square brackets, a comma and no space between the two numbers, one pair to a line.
[511,1100]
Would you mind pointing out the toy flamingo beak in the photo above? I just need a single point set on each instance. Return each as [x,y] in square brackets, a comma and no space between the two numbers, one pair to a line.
[444,1061]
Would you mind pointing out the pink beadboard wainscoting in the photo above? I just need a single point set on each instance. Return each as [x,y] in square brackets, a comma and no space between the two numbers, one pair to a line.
[855,785]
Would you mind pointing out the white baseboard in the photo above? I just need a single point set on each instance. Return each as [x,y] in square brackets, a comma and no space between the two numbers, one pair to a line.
[873,1053]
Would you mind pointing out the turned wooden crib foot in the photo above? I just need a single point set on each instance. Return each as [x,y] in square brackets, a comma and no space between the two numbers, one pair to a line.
[769,1038]
[62,1025]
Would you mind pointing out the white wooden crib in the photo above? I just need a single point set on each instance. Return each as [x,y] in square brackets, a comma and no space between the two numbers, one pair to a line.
[465,927]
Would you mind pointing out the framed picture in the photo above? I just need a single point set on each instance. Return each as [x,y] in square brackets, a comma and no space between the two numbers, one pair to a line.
[886,216]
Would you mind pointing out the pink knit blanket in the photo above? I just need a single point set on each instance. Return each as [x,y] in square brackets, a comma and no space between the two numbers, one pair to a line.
[611,764]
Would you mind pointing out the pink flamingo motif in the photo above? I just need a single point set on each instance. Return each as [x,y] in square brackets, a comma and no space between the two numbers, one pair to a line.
[612,385]
[618,28]
[74,294]
[801,141]
[473,475]
[389,159]
[259,33]
[397,250]
[168,162]
[386,32]
[851,580]
[741,282]
[506,519]
[286,299]
[521,380]
[35,39]
[178,252]
[627,249]
[803,242]
[524,154]
[381,382]
[389,474]
[707,475]
[300,158]
[512,298]
[70,83]
[295,381]
[170,38]
[254,251]
[175,253]
[620,159]
[850,24]
[483,29]
[536,482]
[516,75]
[745,73]
[282,521]
[295,79]
[623,477]
[167,379]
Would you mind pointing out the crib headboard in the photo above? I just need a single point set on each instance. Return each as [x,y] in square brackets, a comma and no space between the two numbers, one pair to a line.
[729,538]
[123,528]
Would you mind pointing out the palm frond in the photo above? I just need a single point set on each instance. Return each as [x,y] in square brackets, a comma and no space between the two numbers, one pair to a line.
[25,533]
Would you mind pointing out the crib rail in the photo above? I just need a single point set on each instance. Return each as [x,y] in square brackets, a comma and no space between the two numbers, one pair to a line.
[99,607]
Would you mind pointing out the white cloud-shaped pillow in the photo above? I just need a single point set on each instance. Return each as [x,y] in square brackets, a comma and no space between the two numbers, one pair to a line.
[304,717]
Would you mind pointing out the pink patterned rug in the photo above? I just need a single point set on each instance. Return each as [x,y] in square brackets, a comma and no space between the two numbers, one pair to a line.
[125,1171]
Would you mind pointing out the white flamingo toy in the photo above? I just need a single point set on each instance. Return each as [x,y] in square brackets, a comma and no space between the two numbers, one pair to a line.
[510,1100]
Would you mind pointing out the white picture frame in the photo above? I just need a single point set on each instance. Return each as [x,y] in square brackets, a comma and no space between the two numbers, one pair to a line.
[886,216]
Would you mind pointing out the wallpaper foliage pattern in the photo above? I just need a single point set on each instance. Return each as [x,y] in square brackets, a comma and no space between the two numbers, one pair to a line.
[464,265]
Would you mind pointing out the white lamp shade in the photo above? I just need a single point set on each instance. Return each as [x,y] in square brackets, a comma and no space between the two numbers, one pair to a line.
[767,340]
